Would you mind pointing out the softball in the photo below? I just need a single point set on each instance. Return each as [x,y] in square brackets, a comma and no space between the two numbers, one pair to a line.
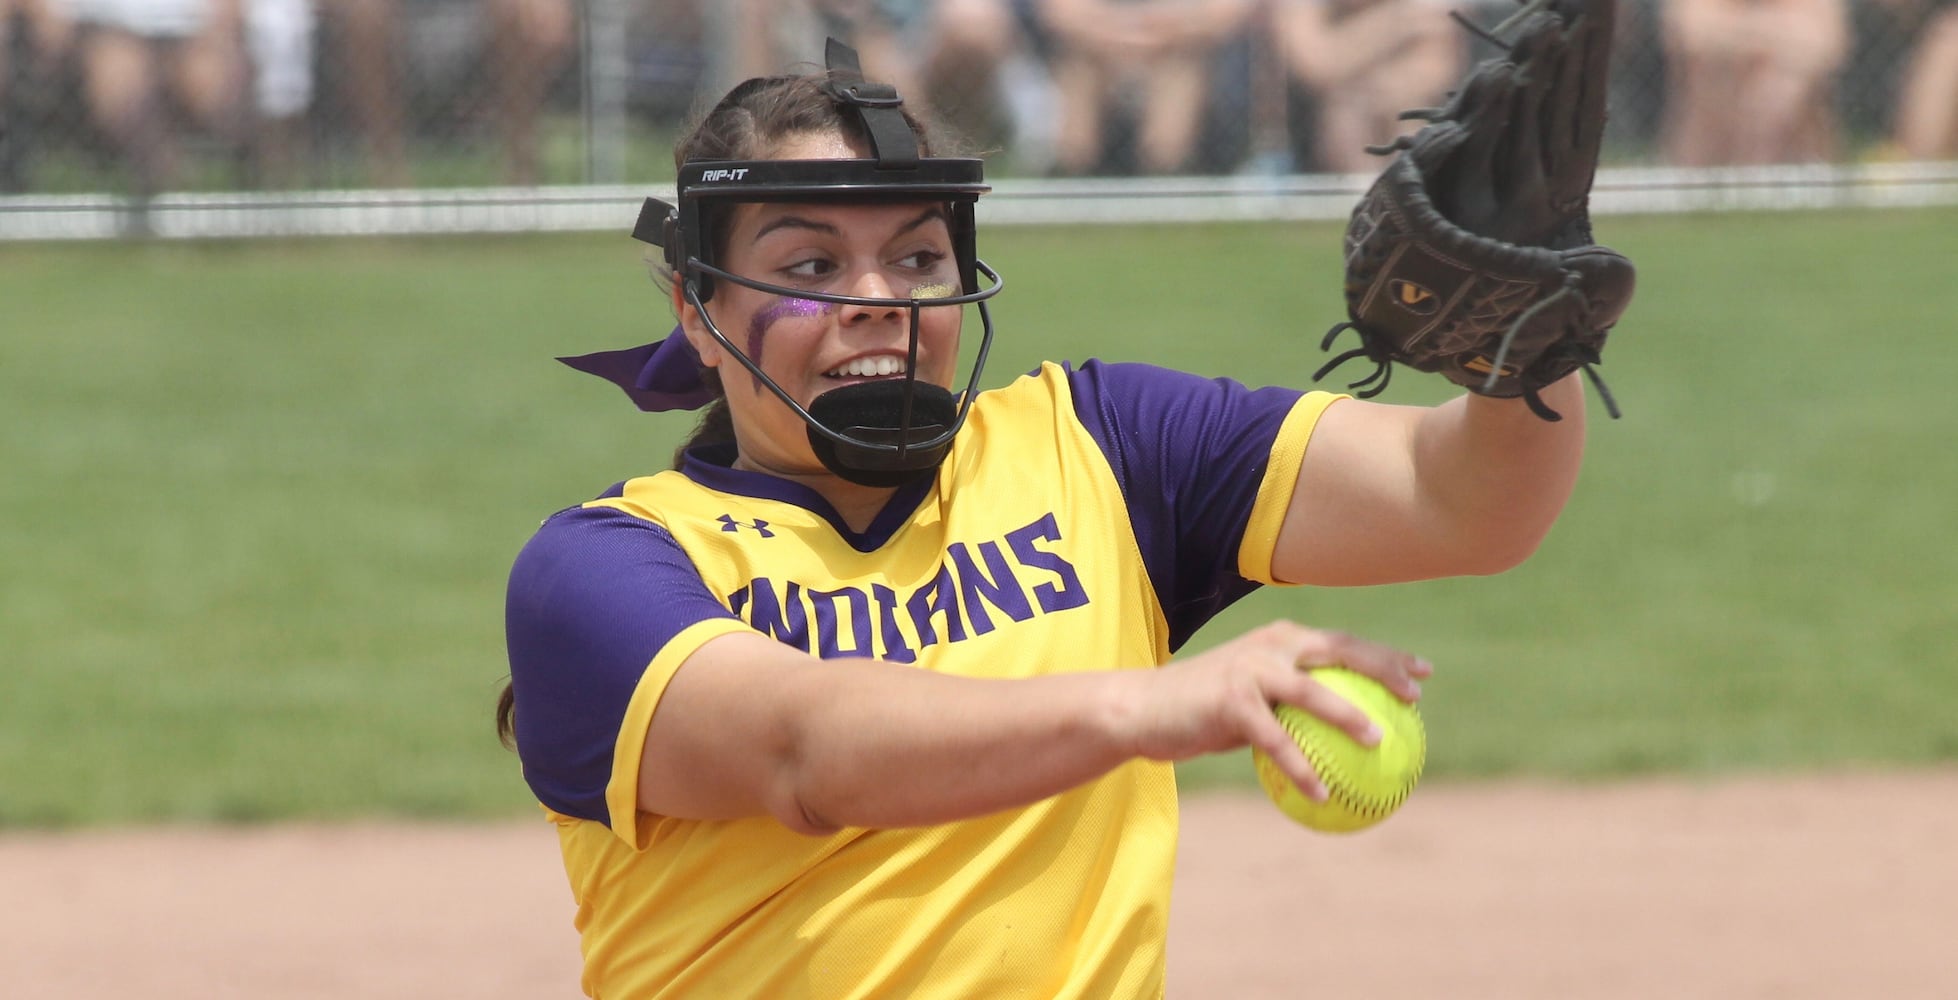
[1364,785]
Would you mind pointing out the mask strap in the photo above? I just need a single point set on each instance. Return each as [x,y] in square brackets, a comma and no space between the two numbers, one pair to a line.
[877,104]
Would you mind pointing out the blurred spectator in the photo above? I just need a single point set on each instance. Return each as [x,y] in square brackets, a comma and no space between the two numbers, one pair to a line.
[29,40]
[1752,81]
[890,36]
[154,70]
[748,38]
[528,44]
[1926,125]
[279,44]
[386,59]
[363,45]
[1366,61]
[1153,57]
[10,155]
[945,55]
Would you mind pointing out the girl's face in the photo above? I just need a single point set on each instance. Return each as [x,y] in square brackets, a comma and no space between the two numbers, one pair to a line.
[888,251]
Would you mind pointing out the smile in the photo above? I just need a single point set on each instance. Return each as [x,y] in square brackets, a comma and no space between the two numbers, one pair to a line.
[868,367]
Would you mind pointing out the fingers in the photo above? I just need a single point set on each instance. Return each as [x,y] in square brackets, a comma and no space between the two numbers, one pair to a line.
[1590,67]
[1465,194]
[1269,735]
[1563,113]
[1535,57]
[1223,699]
[1399,671]
[1305,651]
[1575,108]
[1304,692]
[1294,765]
[1529,153]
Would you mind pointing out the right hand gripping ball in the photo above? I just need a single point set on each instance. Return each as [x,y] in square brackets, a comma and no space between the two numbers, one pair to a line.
[1365,784]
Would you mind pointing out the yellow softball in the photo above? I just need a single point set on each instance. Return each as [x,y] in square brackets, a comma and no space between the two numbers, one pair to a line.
[1364,785]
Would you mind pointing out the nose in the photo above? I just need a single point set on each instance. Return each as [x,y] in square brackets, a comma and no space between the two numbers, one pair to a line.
[871,284]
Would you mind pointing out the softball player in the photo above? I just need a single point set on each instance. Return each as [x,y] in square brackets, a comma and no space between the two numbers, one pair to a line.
[851,703]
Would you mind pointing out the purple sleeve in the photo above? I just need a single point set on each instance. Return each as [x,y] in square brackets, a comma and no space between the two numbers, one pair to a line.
[592,597]
[1189,453]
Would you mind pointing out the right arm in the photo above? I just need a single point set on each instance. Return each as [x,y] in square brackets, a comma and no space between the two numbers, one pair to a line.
[750,727]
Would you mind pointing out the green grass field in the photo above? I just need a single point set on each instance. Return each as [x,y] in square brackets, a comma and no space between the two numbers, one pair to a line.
[261,498]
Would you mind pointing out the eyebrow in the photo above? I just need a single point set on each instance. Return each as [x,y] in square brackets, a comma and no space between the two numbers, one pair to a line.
[799,222]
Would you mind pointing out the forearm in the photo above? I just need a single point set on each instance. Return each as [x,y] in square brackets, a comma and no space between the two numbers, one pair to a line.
[896,746]
[1495,475]
[882,745]
[749,727]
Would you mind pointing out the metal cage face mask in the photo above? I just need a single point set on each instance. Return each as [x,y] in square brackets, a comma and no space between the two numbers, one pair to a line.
[879,433]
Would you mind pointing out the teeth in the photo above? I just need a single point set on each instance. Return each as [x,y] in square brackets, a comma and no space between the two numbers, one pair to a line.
[862,367]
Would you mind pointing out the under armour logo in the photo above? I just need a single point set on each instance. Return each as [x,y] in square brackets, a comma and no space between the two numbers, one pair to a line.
[728,523]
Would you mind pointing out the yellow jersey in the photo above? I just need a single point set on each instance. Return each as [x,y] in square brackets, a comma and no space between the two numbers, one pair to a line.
[1085,519]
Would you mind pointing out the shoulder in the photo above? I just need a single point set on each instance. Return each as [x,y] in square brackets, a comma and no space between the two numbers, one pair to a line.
[1134,411]
[612,529]
[1094,380]
[604,513]
[1111,396]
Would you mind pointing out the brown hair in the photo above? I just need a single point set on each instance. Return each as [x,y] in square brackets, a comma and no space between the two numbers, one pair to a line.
[754,119]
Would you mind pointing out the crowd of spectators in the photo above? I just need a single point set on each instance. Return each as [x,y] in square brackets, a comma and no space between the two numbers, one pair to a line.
[270,89]
[255,82]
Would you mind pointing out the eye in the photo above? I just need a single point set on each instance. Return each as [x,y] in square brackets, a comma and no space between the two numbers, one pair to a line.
[810,269]
[922,260]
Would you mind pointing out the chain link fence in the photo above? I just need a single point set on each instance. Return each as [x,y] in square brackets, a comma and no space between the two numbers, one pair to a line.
[136,98]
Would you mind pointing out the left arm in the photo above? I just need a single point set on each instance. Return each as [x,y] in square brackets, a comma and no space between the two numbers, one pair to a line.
[1479,228]
[1388,494]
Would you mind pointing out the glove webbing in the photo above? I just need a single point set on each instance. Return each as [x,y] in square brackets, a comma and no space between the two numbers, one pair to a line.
[1586,356]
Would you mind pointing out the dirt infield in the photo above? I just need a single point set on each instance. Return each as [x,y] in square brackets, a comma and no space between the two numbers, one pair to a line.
[1831,887]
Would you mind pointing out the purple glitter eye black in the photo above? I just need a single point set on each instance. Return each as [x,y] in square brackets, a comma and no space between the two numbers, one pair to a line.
[782,308]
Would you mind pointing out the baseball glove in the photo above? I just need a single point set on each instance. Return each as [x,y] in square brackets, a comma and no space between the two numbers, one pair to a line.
[1471,255]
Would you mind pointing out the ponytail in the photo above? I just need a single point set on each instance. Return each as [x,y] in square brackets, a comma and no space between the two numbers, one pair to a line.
[506,716]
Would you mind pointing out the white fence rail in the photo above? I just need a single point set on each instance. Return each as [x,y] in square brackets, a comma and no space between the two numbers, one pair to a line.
[1303,197]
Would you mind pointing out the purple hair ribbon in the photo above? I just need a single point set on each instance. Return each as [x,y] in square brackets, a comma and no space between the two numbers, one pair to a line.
[656,377]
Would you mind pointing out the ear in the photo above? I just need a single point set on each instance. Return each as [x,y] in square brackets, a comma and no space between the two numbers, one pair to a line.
[695,328]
